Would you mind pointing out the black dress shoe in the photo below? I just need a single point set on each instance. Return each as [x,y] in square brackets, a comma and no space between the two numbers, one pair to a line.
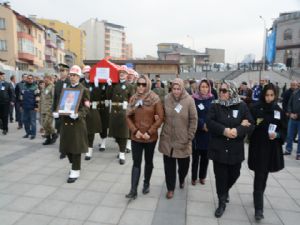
[4,132]
[132,194]
[26,136]
[258,215]
[101,149]
[62,156]
[87,158]
[127,150]
[146,188]
[71,180]
[220,210]
[32,137]
[121,161]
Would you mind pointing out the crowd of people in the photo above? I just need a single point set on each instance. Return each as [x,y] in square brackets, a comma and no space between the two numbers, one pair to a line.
[200,119]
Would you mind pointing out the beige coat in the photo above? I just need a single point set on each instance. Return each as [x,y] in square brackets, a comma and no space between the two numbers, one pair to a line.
[179,128]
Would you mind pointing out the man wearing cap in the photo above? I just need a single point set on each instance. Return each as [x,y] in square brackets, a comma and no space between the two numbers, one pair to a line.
[46,103]
[73,130]
[63,82]
[93,120]
[120,94]
[6,99]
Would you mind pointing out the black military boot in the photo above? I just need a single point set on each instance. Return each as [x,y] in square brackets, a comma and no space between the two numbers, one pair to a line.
[135,176]
[148,172]
[47,141]
[53,138]
[258,198]
[222,205]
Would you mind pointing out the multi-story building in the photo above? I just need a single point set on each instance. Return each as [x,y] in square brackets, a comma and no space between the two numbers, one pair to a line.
[287,28]
[104,39]
[128,51]
[21,40]
[73,36]
[216,55]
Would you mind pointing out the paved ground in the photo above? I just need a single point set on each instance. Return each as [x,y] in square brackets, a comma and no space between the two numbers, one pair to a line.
[33,191]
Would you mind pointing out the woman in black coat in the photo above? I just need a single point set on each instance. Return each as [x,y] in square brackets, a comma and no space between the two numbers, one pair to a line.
[229,121]
[265,147]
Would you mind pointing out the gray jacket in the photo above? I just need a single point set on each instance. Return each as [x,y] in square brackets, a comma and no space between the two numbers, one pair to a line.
[294,103]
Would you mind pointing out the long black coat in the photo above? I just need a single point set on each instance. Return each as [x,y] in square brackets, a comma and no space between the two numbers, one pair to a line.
[222,149]
[265,155]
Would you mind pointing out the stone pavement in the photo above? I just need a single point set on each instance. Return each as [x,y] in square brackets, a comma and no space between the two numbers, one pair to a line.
[33,191]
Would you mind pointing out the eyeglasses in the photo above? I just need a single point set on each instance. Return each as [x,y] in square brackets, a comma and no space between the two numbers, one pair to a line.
[142,84]
[223,90]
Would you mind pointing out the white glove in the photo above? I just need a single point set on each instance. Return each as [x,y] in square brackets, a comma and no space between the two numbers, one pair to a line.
[109,81]
[125,104]
[74,116]
[55,115]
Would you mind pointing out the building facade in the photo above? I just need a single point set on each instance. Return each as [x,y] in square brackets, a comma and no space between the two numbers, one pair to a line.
[74,37]
[216,55]
[287,27]
[104,39]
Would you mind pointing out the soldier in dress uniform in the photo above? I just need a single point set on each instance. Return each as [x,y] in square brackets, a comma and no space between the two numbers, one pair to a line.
[93,120]
[73,130]
[104,114]
[119,95]
[45,107]
[131,80]
[63,82]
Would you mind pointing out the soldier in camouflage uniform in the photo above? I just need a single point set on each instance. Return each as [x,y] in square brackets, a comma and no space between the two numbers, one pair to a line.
[93,120]
[45,107]
[119,95]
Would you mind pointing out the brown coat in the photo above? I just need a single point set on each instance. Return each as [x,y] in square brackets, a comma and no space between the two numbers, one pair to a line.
[143,120]
[179,128]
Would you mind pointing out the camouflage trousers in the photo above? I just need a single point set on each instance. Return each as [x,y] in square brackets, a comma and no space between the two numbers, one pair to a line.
[47,123]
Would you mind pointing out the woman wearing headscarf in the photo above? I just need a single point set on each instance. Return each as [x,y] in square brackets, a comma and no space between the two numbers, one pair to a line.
[203,99]
[144,116]
[177,134]
[265,146]
[228,121]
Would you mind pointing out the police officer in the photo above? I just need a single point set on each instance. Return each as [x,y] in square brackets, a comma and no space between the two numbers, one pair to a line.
[93,120]
[63,82]
[73,133]
[6,99]
[120,94]
[46,110]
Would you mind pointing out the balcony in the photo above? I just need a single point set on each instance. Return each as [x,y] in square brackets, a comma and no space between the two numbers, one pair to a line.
[27,57]
[50,58]
[23,35]
[51,44]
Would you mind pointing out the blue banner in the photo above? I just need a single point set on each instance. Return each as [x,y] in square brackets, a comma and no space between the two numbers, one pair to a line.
[271,47]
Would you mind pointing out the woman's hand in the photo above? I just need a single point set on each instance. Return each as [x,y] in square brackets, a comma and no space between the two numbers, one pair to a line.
[138,135]
[146,136]
[272,136]
[205,128]
[245,123]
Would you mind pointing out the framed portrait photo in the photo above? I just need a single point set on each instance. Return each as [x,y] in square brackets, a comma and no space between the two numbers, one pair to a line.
[69,101]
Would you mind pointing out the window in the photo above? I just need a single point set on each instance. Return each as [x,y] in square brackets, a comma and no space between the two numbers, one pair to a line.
[40,38]
[2,24]
[288,34]
[3,45]
[61,33]
[25,46]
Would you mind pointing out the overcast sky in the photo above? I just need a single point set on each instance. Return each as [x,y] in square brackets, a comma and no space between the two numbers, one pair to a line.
[233,25]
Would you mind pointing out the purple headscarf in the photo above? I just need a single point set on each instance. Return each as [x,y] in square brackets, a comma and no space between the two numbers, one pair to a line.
[198,94]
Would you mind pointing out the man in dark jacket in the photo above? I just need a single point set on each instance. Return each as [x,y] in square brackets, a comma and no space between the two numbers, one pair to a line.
[30,99]
[293,111]
[18,90]
[6,99]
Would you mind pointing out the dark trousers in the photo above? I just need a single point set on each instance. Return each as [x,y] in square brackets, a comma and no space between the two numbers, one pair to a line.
[260,181]
[4,111]
[91,137]
[19,114]
[75,160]
[137,149]
[29,120]
[170,170]
[122,143]
[11,112]
[103,133]
[199,161]
[226,176]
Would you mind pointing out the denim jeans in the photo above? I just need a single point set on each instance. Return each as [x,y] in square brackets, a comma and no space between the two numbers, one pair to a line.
[293,125]
[29,120]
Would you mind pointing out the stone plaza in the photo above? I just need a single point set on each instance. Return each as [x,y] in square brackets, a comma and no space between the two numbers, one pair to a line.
[33,191]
